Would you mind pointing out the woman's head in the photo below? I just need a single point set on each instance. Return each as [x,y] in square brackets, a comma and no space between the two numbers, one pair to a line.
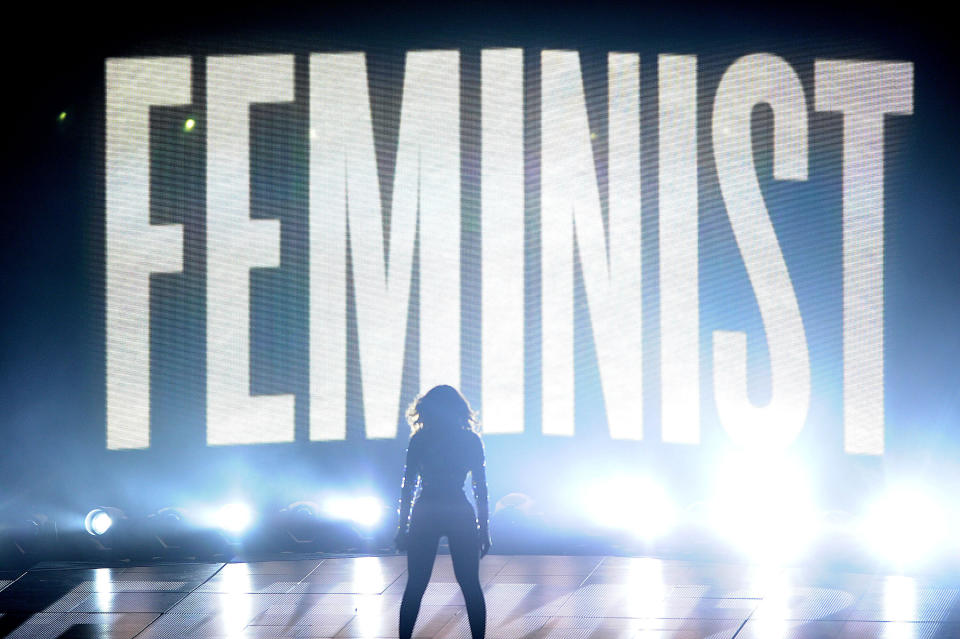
[442,408]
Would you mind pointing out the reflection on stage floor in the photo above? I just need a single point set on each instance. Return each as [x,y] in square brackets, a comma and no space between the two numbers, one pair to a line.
[528,597]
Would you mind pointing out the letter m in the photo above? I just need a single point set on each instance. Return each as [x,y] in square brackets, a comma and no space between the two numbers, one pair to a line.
[346,218]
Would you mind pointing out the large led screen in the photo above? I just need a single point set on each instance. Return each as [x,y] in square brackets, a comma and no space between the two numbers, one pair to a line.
[635,254]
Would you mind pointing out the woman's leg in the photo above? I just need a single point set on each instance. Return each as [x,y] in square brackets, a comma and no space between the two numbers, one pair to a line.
[465,553]
[421,551]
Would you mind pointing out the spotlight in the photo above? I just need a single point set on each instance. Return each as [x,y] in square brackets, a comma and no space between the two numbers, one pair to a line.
[364,511]
[516,503]
[168,527]
[62,116]
[98,521]
[299,527]
[301,522]
[234,518]
[517,526]
[29,535]
[174,534]
[905,526]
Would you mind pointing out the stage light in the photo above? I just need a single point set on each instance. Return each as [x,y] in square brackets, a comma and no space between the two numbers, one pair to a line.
[763,505]
[516,503]
[301,523]
[168,526]
[234,517]
[189,124]
[364,511]
[517,525]
[97,522]
[905,526]
[638,505]
[192,533]
[30,534]
[62,116]
[303,510]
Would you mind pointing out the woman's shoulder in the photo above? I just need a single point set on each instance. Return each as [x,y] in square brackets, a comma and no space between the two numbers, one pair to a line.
[416,440]
[474,439]
[462,437]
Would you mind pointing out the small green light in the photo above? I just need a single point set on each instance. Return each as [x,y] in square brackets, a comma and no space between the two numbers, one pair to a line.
[189,124]
[62,116]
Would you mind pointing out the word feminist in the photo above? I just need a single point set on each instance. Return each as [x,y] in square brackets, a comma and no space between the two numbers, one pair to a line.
[344,192]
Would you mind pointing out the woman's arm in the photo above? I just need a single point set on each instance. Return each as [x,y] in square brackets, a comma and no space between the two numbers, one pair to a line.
[411,475]
[479,476]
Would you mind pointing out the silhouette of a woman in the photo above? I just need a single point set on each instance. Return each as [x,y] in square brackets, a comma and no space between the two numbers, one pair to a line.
[444,446]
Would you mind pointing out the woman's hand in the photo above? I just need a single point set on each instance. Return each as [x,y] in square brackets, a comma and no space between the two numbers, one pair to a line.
[485,543]
[400,540]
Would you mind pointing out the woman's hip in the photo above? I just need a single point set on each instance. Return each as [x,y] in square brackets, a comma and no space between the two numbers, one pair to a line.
[442,514]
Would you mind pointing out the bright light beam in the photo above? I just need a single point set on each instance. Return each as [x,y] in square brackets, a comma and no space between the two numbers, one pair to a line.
[905,526]
[763,505]
[97,522]
[234,518]
[365,511]
[635,504]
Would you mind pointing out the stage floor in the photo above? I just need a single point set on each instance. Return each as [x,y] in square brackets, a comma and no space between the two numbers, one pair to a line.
[528,597]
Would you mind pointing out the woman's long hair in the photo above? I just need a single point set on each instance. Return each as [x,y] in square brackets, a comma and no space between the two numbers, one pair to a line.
[442,408]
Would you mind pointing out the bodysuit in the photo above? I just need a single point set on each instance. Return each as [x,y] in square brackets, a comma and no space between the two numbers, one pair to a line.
[439,460]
